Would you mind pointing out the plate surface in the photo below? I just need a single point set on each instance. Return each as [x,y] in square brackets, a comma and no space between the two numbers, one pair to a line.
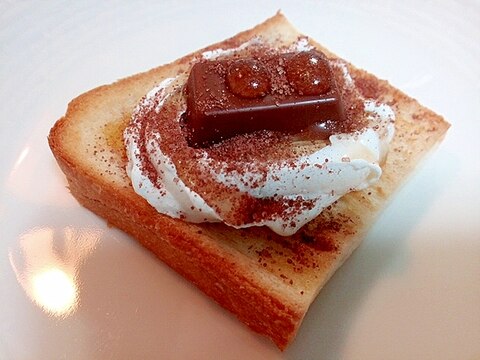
[72,288]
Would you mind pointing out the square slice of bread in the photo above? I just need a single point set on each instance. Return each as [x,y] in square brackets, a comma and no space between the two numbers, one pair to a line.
[266,280]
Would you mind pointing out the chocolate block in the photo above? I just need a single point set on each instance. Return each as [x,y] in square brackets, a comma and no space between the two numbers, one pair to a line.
[288,92]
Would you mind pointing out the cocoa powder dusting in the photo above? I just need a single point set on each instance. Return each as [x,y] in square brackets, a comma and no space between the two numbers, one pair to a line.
[369,86]
[261,147]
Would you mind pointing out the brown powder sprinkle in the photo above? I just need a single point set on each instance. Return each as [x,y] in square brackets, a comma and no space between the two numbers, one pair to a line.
[262,147]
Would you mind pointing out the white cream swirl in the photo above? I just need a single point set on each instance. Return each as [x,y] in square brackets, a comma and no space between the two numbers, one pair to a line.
[350,162]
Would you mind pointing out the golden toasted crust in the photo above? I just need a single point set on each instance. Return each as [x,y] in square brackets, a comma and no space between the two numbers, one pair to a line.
[266,280]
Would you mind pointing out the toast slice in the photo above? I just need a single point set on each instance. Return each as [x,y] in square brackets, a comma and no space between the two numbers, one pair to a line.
[266,280]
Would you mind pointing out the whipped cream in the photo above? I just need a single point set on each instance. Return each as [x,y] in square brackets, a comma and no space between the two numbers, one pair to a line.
[216,53]
[350,162]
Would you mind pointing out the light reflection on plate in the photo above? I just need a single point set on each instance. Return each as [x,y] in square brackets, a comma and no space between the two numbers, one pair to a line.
[48,273]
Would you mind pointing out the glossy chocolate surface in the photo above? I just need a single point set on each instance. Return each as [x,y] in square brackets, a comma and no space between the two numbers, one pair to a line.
[288,93]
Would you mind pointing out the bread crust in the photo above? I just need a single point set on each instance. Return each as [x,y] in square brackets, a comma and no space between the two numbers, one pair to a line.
[266,280]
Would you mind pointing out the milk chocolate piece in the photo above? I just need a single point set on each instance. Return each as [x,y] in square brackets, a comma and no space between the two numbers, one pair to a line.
[288,93]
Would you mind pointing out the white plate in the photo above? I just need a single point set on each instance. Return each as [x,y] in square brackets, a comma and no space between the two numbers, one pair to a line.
[70,287]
